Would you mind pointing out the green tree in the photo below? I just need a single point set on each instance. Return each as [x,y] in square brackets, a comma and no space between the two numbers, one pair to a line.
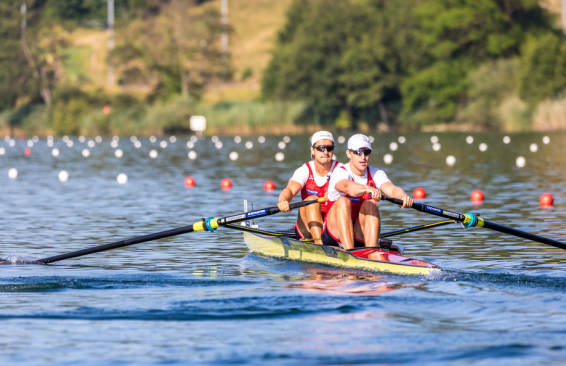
[453,37]
[543,71]
[337,56]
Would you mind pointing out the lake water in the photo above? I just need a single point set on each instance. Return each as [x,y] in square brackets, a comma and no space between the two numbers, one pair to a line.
[202,298]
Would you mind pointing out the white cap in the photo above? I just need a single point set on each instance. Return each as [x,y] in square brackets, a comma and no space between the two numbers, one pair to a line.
[359,141]
[321,135]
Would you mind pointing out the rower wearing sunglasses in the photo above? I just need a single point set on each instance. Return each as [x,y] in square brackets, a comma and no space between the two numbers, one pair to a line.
[354,191]
[311,179]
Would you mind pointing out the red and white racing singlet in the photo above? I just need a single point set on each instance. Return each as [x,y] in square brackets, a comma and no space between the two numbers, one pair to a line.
[312,189]
[356,202]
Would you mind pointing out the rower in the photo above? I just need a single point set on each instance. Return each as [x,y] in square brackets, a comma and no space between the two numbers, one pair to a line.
[354,191]
[312,180]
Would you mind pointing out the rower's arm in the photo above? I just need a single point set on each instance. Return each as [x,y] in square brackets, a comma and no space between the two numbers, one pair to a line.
[351,188]
[392,190]
[287,195]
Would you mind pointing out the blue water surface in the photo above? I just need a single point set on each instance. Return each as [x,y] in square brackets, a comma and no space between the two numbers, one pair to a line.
[202,298]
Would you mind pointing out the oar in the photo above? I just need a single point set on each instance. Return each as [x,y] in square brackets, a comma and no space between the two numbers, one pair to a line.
[470,220]
[382,235]
[210,224]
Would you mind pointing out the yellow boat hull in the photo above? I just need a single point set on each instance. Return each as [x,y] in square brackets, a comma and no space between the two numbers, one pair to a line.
[281,247]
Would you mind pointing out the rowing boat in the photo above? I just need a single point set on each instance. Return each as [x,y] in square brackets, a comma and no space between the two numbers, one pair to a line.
[389,260]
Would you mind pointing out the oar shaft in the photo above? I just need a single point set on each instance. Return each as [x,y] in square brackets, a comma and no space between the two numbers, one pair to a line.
[523,234]
[465,219]
[198,226]
[119,244]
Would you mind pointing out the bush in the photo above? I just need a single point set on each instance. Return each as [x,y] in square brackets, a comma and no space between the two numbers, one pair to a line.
[489,85]
[543,72]
[67,117]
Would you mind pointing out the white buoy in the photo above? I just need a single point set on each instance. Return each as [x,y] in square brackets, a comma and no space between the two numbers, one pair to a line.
[401,139]
[2,151]
[281,145]
[153,154]
[133,139]
[12,143]
[55,152]
[137,144]
[237,139]
[279,156]
[450,160]
[81,139]
[114,144]
[233,155]
[86,153]
[13,173]
[214,139]
[470,140]
[65,138]
[434,139]
[7,138]
[50,137]
[520,162]
[436,146]
[286,139]
[546,140]
[163,144]
[533,147]
[172,139]
[91,144]
[371,139]
[388,158]
[152,139]
[118,153]
[341,139]
[483,146]
[35,139]
[218,145]
[50,143]
[30,143]
[63,176]
[98,139]
[393,146]
[70,143]
[192,155]
[194,139]
[506,140]
[190,144]
[116,138]
[261,139]
[122,178]
[249,145]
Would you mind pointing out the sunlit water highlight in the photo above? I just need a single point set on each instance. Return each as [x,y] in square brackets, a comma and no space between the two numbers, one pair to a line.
[202,299]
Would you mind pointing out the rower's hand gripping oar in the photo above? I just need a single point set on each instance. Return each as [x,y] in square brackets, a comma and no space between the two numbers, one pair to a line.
[210,224]
[470,220]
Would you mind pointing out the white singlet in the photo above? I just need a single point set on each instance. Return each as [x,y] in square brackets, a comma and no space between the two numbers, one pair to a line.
[378,175]
[301,175]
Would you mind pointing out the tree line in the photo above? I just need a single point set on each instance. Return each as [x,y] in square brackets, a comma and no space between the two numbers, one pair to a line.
[415,62]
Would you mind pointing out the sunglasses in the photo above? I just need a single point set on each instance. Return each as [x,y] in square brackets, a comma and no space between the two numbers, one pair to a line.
[359,152]
[323,148]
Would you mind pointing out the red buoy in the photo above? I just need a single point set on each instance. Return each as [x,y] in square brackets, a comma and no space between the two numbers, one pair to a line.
[226,183]
[27,151]
[189,182]
[477,196]
[546,200]
[269,186]
[419,193]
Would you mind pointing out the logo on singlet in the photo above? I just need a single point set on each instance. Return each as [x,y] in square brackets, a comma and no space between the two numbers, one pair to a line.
[354,199]
[313,193]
